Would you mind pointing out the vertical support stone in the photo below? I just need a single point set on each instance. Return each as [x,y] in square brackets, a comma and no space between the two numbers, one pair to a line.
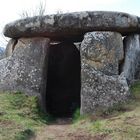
[132,58]
[101,86]
[23,71]
[103,51]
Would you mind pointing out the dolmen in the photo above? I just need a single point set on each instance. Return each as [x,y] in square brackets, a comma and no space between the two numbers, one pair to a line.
[82,59]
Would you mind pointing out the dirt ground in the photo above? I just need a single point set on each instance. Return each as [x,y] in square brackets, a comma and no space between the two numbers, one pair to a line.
[61,129]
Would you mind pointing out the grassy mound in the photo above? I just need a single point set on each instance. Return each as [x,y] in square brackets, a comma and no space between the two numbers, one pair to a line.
[20,116]
[122,123]
[21,119]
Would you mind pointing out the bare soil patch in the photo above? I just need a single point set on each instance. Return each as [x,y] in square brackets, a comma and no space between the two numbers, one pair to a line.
[61,129]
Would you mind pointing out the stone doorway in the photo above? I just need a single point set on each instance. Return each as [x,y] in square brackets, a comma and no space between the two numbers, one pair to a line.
[63,79]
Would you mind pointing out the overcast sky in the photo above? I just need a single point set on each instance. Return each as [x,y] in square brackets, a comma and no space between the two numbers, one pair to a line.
[11,10]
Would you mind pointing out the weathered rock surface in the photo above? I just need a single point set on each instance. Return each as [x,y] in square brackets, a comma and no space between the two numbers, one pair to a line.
[100,92]
[73,25]
[24,69]
[132,58]
[10,47]
[103,51]
[101,86]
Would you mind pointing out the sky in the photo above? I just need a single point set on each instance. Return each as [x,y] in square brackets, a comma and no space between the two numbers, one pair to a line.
[11,10]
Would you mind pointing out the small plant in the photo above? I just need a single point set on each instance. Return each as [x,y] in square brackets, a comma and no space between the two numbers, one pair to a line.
[77,116]
[17,100]
[98,126]
[24,135]
[58,12]
[135,89]
[120,107]
[39,11]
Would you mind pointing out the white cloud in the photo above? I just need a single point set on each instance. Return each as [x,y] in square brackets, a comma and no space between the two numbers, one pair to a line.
[81,5]
[11,9]
[104,2]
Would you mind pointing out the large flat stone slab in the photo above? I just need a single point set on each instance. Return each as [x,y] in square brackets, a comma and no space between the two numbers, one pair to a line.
[73,25]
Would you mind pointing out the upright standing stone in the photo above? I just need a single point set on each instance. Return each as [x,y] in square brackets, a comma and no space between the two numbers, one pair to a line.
[101,86]
[132,58]
[103,51]
[10,47]
[23,71]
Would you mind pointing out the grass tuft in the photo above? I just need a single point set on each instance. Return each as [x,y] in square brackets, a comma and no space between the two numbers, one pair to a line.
[77,116]
[24,135]
[135,90]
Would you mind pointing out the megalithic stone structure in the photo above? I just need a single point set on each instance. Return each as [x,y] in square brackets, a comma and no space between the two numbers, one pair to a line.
[108,48]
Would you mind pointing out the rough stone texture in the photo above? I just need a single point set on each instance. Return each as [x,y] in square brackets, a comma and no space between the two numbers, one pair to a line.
[24,69]
[100,92]
[10,47]
[132,58]
[101,87]
[103,51]
[72,25]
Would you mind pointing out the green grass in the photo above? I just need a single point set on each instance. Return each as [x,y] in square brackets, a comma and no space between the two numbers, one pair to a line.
[20,116]
[121,123]
[76,116]
[135,89]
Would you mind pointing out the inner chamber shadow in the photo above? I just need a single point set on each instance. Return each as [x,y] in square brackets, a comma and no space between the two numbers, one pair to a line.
[63,80]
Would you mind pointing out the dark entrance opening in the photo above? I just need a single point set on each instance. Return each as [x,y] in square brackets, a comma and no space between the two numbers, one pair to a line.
[63,80]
